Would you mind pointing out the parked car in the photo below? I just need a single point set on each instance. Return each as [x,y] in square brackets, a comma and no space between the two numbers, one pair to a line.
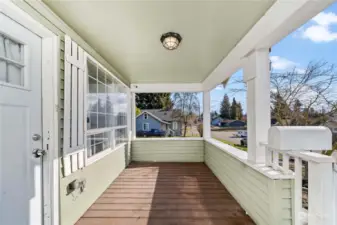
[151,133]
[241,133]
[243,141]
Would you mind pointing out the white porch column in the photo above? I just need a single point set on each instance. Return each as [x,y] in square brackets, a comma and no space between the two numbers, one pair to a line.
[257,77]
[133,115]
[206,115]
[320,193]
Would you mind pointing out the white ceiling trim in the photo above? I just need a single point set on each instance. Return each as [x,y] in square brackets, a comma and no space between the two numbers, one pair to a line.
[164,88]
[281,19]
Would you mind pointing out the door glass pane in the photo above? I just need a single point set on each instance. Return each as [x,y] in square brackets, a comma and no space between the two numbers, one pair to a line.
[3,71]
[14,75]
[11,66]
[13,50]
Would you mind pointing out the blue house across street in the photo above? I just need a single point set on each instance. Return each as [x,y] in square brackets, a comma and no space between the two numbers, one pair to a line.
[160,119]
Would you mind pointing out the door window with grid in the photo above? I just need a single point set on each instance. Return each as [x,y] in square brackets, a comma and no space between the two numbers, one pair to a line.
[106,110]
[11,61]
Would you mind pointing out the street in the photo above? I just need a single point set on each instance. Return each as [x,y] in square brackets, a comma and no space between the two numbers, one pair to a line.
[227,136]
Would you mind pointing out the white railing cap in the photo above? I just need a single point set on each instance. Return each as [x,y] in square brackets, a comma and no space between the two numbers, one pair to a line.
[300,138]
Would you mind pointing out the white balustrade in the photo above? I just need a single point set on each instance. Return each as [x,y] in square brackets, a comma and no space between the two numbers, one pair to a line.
[286,150]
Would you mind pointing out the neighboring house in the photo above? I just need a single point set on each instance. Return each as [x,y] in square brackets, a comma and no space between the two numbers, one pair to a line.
[159,119]
[332,125]
[218,121]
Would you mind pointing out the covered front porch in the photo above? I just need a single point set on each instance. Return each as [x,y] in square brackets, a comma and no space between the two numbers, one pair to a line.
[165,193]
[191,181]
[109,176]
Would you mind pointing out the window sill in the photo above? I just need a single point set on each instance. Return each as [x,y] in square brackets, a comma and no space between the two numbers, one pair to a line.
[102,154]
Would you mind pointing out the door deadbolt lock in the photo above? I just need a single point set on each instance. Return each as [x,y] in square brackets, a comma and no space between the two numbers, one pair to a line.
[36,137]
[38,153]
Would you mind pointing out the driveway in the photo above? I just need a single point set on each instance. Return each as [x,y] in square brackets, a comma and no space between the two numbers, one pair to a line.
[227,136]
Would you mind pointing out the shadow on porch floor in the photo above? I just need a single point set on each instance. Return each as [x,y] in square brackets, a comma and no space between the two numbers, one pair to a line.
[166,194]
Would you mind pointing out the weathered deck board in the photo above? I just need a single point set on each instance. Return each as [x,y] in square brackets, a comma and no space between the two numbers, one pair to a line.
[166,194]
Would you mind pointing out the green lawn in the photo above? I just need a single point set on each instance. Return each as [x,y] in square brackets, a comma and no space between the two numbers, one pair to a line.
[243,148]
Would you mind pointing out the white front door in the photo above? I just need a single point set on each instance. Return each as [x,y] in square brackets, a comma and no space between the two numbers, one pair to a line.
[20,119]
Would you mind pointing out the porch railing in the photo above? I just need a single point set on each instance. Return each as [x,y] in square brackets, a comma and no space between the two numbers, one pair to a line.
[296,150]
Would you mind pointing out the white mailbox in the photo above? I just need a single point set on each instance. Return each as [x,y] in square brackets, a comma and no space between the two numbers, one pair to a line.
[300,138]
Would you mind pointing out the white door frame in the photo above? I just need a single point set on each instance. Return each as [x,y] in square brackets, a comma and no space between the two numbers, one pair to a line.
[50,98]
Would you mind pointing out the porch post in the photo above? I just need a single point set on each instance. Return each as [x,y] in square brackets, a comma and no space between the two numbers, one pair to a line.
[206,115]
[133,115]
[257,77]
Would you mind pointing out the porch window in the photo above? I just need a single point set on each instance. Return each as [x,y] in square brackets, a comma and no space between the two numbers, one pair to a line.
[11,61]
[106,110]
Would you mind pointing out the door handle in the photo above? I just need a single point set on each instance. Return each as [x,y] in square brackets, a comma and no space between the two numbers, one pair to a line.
[38,153]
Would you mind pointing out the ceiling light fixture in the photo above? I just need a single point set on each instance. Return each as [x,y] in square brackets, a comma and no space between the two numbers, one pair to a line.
[170,40]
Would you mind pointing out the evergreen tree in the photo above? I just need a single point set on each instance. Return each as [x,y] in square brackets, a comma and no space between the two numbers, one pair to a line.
[225,108]
[153,100]
[234,109]
[239,111]
[280,109]
[214,114]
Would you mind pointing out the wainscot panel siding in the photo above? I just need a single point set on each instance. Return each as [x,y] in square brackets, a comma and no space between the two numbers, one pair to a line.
[97,176]
[151,150]
[267,201]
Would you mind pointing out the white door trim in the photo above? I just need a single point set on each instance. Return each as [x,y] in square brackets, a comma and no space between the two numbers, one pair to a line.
[50,99]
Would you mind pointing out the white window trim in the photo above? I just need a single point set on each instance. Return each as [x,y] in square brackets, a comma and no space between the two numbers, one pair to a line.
[90,160]
[148,125]
[145,116]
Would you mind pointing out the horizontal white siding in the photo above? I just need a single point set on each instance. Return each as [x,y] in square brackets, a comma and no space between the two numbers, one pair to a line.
[267,201]
[151,150]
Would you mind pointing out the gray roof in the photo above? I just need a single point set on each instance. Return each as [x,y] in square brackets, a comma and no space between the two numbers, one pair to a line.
[165,115]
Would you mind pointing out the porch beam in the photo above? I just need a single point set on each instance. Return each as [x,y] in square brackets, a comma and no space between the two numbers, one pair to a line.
[283,17]
[133,115]
[206,115]
[166,87]
[257,77]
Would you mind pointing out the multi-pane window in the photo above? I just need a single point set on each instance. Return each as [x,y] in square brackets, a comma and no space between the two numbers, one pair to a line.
[11,61]
[146,126]
[106,111]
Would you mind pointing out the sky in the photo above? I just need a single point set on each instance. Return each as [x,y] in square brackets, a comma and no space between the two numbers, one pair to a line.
[314,41]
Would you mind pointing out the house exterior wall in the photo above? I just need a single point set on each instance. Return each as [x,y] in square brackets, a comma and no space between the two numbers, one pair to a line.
[154,123]
[178,130]
[75,204]
[216,121]
[167,150]
[267,201]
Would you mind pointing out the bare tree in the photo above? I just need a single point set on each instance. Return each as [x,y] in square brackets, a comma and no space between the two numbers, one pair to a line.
[302,97]
[186,105]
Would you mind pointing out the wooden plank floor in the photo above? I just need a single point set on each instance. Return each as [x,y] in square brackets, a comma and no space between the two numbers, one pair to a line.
[166,194]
